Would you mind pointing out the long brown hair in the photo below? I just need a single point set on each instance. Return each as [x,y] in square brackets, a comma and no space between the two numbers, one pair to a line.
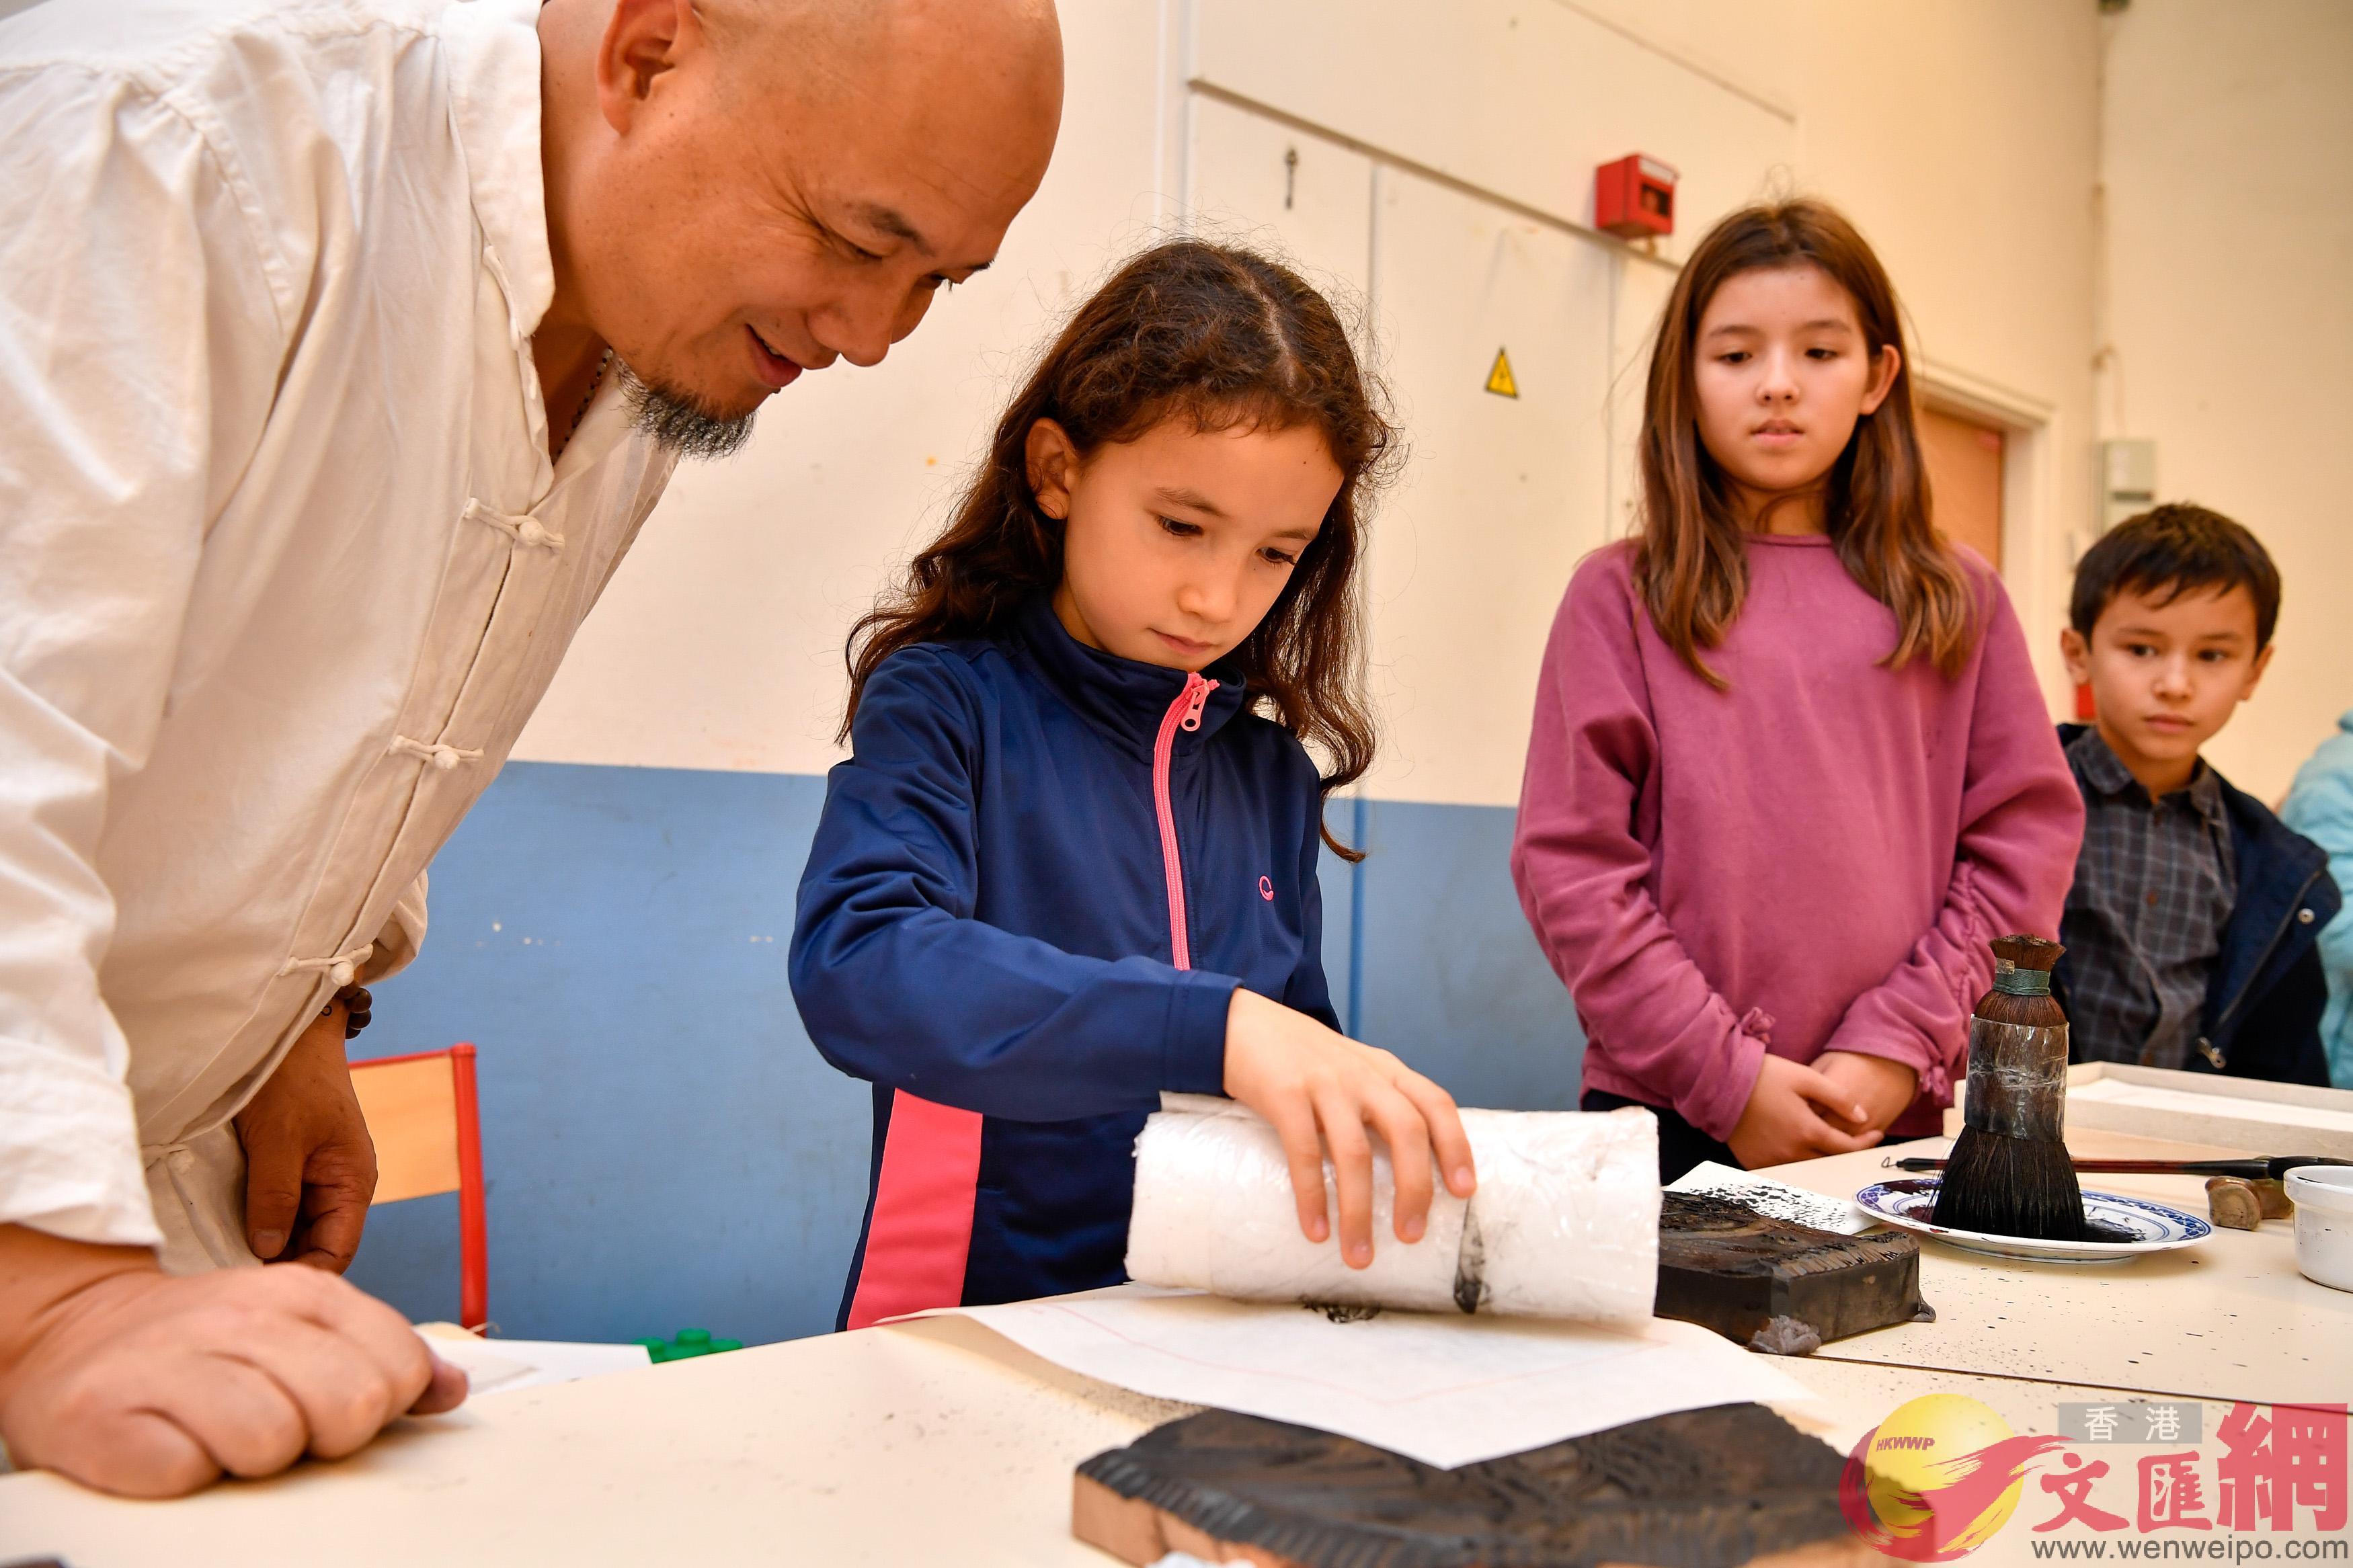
[1691,560]
[1191,329]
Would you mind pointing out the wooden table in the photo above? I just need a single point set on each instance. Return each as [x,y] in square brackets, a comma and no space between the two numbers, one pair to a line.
[937,1442]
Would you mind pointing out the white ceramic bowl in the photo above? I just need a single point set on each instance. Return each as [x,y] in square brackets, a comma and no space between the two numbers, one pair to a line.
[2324,1223]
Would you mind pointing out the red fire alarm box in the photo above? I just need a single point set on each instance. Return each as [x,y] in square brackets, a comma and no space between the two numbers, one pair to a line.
[1634,197]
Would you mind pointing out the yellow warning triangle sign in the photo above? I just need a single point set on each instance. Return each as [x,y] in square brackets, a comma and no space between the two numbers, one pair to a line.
[1499,379]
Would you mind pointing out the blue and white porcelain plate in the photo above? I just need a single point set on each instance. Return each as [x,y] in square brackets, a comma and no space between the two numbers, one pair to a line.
[2152,1227]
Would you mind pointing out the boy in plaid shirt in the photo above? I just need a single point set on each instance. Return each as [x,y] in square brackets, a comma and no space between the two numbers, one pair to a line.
[2192,927]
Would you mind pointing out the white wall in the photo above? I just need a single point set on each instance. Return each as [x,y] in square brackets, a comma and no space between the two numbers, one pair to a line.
[1445,171]
[719,643]
[2228,153]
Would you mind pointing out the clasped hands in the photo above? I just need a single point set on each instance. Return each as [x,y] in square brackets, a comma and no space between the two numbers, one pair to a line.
[1842,1102]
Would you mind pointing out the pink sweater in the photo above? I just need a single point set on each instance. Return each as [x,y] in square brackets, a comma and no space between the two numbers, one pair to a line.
[1812,860]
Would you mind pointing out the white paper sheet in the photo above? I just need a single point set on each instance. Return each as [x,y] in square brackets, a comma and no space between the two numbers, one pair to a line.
[1445,1389]
[509,1366]
[1766,1196]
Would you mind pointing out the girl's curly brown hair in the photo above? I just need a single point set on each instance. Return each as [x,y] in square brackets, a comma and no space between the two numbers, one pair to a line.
[1223,337]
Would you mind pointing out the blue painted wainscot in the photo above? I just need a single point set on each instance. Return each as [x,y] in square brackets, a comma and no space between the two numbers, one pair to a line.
[662,1145]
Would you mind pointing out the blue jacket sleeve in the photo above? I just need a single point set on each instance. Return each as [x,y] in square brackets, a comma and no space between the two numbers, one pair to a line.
[2320,806]
[1308,990]
[898,984]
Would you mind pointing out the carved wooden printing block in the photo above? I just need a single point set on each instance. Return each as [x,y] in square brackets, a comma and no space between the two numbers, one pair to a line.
[1778,1286]
[1700,1489]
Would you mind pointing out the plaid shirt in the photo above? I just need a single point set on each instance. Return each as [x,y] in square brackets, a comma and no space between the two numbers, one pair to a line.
[2154,887]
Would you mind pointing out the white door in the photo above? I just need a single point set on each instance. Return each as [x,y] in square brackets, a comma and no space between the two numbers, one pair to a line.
[1506,487]
[1258,183]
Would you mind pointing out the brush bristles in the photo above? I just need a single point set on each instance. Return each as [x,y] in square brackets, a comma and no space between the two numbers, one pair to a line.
[2027,1011]
[2011,1186]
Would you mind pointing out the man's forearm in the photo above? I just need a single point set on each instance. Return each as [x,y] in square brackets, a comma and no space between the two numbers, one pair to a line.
[40,1276]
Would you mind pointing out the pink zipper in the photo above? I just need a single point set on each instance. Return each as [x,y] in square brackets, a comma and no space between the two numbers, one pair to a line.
[1184,713]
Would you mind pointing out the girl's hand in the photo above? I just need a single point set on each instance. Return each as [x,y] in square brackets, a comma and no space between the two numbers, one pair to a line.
[1781,1123]
[1322,1090]
[1883,1088]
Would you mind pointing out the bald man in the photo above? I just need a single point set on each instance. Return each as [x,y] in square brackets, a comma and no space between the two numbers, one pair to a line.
[345,344]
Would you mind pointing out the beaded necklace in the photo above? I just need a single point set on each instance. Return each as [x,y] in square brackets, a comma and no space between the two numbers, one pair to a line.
[594,382]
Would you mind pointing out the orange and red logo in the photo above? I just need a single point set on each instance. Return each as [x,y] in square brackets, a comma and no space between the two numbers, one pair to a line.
[1935,1480]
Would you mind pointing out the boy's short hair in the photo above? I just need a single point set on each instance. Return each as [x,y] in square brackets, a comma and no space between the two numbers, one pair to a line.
[2178,546]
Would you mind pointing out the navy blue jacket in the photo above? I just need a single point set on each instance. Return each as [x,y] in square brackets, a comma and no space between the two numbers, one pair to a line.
[2267,989]
[988,932]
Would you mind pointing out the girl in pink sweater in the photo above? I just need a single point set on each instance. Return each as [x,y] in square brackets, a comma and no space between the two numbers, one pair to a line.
[1790,768]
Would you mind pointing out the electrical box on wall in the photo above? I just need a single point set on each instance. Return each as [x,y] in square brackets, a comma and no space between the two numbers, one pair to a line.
[1634,197]
[2127,480]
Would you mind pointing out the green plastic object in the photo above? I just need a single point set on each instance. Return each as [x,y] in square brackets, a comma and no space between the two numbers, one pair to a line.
[689,1343]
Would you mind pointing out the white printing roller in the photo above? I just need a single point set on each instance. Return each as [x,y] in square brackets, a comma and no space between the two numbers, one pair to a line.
[1565,1222]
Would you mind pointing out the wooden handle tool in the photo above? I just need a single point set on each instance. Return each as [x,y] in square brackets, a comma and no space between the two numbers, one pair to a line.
[2255,1169]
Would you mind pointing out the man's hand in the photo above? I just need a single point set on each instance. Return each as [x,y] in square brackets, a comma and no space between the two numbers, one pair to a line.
[1883,1089]
[309,1165]
[132,1382]
[1781,1122]
[1322,1090]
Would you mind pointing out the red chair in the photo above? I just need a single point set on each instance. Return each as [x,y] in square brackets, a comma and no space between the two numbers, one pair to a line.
[421,1110]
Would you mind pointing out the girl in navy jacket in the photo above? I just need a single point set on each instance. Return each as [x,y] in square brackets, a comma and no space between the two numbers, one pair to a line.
[1072,861]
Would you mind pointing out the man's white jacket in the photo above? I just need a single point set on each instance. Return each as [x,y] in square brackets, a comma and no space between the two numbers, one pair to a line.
[283,563]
